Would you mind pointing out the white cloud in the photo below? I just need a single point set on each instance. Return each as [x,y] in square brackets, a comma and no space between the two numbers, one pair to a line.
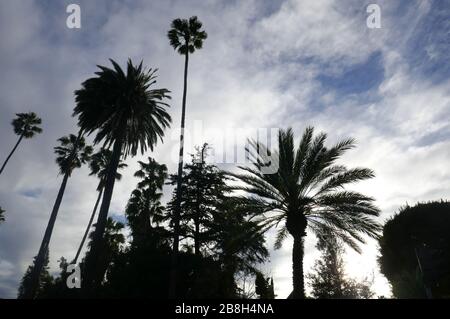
[258,68]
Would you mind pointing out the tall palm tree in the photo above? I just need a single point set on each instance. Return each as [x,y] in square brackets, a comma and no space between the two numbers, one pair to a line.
[185,36]
[71,154]
[127,114]
[26,125]
[307,191]
[99,167]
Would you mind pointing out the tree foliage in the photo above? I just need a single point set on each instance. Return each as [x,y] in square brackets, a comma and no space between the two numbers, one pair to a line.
[2,216]
[307,190]
[27,124]
[415,250]
[45,281]
[329,280]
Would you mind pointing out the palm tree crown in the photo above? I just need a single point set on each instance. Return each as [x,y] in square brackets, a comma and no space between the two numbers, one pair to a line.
[71,153]
[123,107]
[127,114]
[185,35]
[152,174]
[145,201]
[307,191]
[27,124]
[99,166]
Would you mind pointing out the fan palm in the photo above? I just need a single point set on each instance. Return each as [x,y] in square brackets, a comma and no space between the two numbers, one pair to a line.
[127,114]
[144,207]
[307,191]
[185,36]
[99,167]
[71,154]
[26,125]
[143,210]
[152,174]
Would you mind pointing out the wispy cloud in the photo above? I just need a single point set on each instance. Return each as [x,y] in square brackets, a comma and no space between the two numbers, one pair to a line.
[296,63]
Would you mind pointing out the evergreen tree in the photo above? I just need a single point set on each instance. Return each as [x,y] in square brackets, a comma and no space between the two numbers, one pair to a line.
[203,189]
[329,280]
[264,287]
[27,284]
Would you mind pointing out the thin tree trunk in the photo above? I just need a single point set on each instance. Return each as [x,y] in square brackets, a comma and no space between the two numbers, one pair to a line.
[297,268]
[197,238]
[10,154]
[93,275]
[197,223]
[88,226]
[176,215]
[43,250]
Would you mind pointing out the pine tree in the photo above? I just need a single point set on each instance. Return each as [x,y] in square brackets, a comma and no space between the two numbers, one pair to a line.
[329,281]
[203,189]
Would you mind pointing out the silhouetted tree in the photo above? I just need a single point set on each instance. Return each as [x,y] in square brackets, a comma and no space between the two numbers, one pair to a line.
[127,114]
[109,250]
[144,210]
[185,36]
[264,287]
[237,243]
[26,125]
[415,251]
[26,287]
[307,190]
[57,288]
[2,216]
[99,167]
[202,189]
[329,280]
[72,153]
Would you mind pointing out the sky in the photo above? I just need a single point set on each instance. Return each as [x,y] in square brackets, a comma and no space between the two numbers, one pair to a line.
[265,64]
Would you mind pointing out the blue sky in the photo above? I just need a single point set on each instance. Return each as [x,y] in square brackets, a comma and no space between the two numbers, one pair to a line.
[265,64]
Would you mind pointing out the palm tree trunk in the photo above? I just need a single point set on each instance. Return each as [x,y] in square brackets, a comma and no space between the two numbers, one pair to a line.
[93,275]
[297,268]
[88,226]
[10,154]
[43,250]
[176,215]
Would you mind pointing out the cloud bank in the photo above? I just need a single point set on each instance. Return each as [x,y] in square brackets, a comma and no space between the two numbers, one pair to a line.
[293,63]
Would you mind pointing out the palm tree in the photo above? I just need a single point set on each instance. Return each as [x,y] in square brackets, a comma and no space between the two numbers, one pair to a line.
[71,154]
[144,207]
[127,114]
[185,36]
[99,166]
[26,125]
[152,175]
[307,191]
[2,217]
[111,245]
